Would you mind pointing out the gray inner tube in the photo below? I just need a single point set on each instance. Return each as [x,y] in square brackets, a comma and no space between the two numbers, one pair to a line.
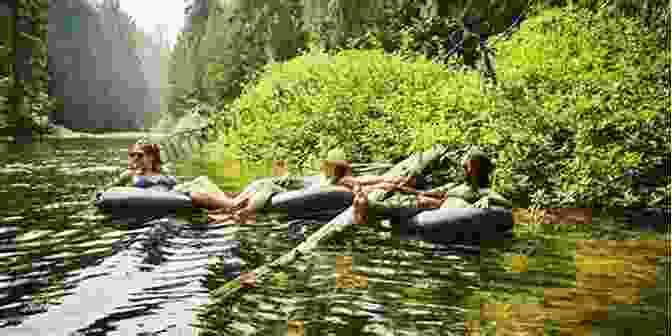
[438,225]
[302,203]
[309,202]
[146,201]
[456,225]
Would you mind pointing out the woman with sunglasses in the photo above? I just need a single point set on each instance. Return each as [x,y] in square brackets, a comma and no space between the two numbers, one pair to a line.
[145,171]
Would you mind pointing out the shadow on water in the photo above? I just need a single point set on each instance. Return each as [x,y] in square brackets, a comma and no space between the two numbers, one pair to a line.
[560,280]
[64,272]
[369,281]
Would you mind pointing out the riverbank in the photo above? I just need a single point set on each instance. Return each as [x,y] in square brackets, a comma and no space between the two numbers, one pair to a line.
[65,133]
[60,132]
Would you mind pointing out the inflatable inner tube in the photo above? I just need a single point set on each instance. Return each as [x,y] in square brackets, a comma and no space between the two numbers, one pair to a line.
[437,225]
[310,202]
[134,201]
[450,225]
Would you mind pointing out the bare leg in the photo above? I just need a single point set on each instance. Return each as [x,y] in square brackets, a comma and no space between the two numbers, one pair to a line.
[242,198]
[361,206]
[237,213]
[248,279]
[220,218]
[425,202]
[211,201]
[236,204]
[245,215]
[241,216]
[403,181]
[386,186]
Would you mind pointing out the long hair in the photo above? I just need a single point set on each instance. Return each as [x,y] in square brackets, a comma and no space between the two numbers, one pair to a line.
[154,152]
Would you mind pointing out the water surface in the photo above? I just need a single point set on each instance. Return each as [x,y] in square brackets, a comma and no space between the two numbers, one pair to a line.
[66,270]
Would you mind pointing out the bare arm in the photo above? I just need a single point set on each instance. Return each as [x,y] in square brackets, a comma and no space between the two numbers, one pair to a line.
[366,180]
[373,181]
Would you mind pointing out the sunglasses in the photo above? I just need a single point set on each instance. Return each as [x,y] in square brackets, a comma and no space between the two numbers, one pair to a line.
[138,155]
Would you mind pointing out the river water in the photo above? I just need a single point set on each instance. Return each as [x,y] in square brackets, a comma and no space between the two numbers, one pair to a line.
[66,270]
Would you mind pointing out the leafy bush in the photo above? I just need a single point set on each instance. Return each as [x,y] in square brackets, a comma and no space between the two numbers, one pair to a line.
[580,103]
[576,106]
[358,99]
[225,51]
[164,125]
[652,15]
[192,120]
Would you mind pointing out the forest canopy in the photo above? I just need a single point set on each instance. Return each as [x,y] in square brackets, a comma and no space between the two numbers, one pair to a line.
[581,93]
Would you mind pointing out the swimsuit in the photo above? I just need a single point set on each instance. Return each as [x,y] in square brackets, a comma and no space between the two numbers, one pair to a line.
[154,182]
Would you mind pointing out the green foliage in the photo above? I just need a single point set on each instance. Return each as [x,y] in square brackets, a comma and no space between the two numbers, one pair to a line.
[653,15]
[190,121]
[221,52]
[164,125]
[256,34]
[33,105]
[568,118]
[404,31]
[315,101]
[228,50]
[181,75]
[578,111]
[432,28]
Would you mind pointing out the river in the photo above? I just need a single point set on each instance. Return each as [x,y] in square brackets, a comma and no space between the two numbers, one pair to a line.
[66,270]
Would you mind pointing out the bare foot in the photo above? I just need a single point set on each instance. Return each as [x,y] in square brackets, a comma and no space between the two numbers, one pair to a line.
[244,216]
[408,181]
[428,202]
[218,211]
[248,280]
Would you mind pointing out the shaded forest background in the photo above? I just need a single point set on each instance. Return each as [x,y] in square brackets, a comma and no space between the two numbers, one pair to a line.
[86,66]
[579,118]
[226,43]
[92,68]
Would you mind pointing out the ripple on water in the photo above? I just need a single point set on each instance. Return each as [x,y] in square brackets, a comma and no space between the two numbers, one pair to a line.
[15,171]
[8,231]
[170,288]
[33,235]
[76,171]
[20,185]
[116,281]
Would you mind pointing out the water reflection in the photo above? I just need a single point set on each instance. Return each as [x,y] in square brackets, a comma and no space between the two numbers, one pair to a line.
[67,271]
[64,269]
[367,282]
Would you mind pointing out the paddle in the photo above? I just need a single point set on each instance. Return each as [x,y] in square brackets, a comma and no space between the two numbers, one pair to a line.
[411,166]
